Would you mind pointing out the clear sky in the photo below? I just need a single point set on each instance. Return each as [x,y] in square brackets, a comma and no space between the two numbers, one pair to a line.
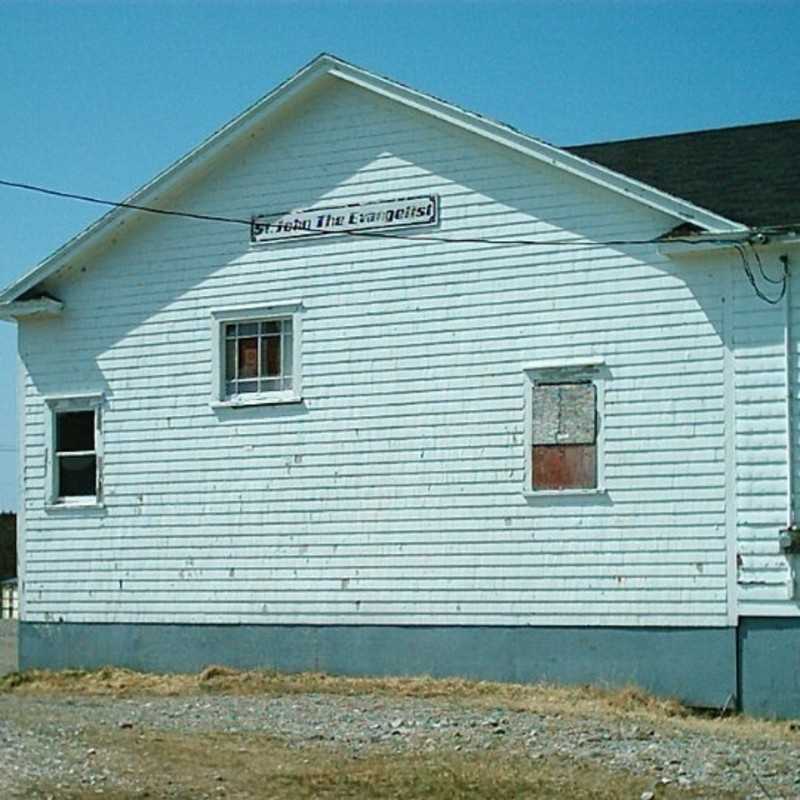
[97,97]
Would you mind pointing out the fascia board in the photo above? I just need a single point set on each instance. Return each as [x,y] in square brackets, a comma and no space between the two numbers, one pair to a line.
[701,244]
[535,148]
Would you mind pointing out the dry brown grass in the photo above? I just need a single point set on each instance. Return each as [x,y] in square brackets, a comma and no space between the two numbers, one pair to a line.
[250,766]
[542,698]
[123,682]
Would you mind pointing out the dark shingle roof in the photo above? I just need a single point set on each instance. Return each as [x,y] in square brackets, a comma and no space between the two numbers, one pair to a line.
[750,174]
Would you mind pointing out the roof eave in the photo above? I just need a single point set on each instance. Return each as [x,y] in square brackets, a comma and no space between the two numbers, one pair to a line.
[698,244]
[538,149]
[26,309]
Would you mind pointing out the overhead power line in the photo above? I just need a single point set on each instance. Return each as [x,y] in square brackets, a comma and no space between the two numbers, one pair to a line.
[366,234]
[748,238]
[119,203]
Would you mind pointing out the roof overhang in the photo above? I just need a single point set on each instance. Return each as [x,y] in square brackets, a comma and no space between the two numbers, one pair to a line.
[312,75]
[25,309]
[699,244]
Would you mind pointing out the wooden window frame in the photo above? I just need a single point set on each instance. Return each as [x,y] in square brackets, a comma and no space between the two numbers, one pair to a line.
[580,370]
[261,313]
[65,405]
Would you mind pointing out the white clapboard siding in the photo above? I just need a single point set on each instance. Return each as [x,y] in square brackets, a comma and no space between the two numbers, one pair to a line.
[764,574]
[394,493]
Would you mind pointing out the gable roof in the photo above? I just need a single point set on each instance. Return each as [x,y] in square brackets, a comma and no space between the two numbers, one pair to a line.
[304,81]
[749,173]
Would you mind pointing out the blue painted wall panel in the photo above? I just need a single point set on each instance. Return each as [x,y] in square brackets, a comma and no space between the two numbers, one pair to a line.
[770,665]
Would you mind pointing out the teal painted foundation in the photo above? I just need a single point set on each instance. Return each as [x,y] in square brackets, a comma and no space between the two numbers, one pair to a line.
[769,655]
[696,665]
[755,667]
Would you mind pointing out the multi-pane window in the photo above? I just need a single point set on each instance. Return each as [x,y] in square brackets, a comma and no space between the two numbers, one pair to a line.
[564,447]
[74,463]
[258,356]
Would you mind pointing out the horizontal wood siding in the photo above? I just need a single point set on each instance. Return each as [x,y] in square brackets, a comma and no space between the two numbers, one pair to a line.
[765,583]
[394,492]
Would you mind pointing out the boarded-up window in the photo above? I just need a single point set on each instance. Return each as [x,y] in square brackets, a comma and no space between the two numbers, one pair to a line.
[564,452]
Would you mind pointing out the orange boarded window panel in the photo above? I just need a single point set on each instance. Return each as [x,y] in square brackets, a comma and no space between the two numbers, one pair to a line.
[564,452]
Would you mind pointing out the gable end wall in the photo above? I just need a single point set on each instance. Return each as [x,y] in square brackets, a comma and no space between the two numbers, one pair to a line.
[393,494]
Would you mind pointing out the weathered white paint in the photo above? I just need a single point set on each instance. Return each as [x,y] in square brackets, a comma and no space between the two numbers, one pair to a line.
[765,578]
[394,492]
[22,381]
[728,274]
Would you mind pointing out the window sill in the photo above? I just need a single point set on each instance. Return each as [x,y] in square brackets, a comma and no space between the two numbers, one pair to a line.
[531,494]
[76,505]
[258,400]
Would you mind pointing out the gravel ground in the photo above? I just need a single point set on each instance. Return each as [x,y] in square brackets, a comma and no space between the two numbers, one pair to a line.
[45,737]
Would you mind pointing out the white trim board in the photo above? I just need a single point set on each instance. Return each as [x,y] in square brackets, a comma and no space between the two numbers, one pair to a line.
[324,67]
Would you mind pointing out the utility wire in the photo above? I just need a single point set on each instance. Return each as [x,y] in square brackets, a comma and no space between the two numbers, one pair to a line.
[767,278]
[544,242]
[367,234]
[748,271]
[121,204]
[736,242]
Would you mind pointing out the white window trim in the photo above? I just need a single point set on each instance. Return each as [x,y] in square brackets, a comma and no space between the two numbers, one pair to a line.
[572,369]
[290,309]
[66,403]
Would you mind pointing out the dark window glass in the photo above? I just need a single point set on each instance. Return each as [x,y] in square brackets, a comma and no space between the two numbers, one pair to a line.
[271,355]
[77,476]
[75,431]
[248,358]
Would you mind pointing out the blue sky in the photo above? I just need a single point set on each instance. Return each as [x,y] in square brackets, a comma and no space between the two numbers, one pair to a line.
[96,98]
